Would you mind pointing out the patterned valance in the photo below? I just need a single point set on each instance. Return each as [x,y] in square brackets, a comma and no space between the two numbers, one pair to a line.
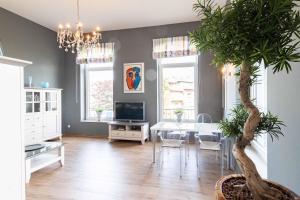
[173,47]
[103,53]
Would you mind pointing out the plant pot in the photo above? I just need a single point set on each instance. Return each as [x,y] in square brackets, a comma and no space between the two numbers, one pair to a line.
[179,117]
[99,116]
[222,187]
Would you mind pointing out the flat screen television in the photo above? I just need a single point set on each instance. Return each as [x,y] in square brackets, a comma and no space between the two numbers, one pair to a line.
[129,111]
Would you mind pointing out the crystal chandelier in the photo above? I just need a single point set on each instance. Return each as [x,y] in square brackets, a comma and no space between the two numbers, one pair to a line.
[70,40]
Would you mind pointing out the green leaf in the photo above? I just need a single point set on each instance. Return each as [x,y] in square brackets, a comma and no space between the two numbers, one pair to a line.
[250,30]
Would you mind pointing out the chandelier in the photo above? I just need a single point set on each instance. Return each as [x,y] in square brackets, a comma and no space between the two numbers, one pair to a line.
[77,40]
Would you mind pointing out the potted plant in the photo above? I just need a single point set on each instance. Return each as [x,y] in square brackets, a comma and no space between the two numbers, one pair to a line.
[178,113]
[247,33]
[99,113]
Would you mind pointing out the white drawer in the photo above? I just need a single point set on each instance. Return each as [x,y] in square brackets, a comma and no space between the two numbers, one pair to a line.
[28,118]
[38,138]
[136,134]
[29,140]
[29,132]
[116,133]
[126,134]
[38,118]
[33,139]
[33,124]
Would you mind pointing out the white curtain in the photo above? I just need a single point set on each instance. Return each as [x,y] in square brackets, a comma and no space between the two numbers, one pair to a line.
[173,47]
[103,53]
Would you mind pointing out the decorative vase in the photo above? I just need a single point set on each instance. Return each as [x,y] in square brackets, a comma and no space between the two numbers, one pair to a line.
[45,84]
[99,116]
[30,81]
[222,194]
[179,117]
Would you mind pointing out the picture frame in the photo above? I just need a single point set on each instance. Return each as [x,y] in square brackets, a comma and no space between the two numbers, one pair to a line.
[133,78]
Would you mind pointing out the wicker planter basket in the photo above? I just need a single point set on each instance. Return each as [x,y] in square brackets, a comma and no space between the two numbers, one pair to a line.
[221,196]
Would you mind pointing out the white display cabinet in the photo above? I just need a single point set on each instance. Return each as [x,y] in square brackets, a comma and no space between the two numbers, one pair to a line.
[43,115]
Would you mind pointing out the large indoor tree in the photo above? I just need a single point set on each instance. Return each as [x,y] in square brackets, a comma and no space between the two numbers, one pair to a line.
[247,33]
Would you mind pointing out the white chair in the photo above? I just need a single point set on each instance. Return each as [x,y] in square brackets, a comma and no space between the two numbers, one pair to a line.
[209,142]
[166,141]
[183,135]
[217,146]
[204,118]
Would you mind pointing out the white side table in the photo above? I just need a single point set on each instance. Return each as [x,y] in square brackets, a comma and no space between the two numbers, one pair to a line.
[37,159]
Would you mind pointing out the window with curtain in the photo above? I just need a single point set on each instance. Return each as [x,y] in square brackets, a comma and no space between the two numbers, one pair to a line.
[96,74]
[178,77]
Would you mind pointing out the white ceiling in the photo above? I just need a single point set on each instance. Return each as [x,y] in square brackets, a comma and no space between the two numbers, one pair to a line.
[108,14]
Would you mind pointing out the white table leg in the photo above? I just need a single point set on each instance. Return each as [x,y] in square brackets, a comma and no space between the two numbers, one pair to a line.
[62,155]
[27,170]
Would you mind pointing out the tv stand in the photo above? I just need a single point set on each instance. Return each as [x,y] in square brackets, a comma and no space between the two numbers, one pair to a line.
[135,131]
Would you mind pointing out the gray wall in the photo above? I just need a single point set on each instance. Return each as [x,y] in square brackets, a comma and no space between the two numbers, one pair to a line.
[283,155]
[135,45]
[26,40]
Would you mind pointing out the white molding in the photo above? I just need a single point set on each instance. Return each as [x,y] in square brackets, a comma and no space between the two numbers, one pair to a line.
[14,61]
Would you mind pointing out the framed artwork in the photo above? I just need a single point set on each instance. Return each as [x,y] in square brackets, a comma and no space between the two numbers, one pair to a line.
[133,78]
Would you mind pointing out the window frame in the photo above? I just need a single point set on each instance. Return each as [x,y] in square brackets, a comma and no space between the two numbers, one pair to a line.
[259,90]
[85,90]
[160,67]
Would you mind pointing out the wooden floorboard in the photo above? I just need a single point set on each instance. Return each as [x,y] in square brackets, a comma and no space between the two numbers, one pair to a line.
[98,170]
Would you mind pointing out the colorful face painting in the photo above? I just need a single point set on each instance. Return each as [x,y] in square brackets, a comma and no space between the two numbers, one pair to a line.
[133,78]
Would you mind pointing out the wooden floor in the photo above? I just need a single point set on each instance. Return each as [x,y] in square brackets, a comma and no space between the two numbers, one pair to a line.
[98,170]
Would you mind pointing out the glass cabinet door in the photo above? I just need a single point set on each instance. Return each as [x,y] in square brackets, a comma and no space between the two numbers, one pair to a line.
[50,101]
[29,97]
[48,96]
[29,108]
[33,102]
[37,96]
[37,102]
[29,102]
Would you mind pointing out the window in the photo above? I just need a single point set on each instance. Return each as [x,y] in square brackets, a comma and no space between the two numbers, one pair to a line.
[258,93]
[97,90]
[178,83]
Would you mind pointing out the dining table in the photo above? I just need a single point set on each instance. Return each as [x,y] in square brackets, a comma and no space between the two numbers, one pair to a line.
[206,129]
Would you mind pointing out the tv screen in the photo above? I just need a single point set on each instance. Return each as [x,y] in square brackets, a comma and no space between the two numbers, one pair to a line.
[130,111]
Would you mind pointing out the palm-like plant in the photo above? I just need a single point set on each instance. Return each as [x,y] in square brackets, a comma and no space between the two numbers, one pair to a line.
[244,33]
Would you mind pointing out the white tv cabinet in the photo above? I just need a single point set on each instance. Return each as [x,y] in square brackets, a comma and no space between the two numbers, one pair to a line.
[135,131]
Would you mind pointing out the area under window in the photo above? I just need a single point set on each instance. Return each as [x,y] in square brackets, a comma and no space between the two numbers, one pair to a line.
[97,91]
[178,83]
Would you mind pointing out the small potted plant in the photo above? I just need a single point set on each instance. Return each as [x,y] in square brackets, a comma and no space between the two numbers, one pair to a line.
[178,113]
[99,113]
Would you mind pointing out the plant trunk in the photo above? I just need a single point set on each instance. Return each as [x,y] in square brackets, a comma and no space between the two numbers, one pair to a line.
[260,189]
